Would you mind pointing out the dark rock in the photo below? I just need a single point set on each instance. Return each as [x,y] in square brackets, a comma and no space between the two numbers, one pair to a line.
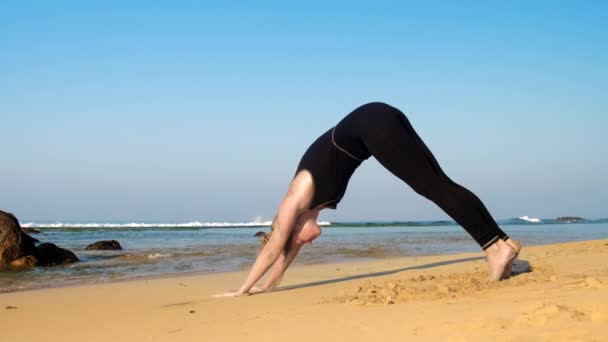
[25,261]
[48,254]
[14,243]
[104,245]
[30,230]
[569,219]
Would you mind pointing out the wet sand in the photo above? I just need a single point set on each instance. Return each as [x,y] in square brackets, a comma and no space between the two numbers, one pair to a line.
[558,293]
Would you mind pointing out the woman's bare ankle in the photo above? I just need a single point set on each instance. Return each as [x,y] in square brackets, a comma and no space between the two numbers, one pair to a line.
[500,256]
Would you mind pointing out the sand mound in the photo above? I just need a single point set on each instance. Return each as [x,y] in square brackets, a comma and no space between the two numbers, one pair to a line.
[429,287]
[426,286]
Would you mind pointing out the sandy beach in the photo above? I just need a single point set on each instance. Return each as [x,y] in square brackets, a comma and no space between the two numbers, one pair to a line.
[559,293]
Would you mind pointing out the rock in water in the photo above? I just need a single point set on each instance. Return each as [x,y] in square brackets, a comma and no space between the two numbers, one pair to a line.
[49,254]
[25,262]
[104,245]
[14,243]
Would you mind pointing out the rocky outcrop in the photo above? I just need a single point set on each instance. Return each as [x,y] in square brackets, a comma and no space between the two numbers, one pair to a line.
[25,262]
[111,245]
[48,254]
[18,249]
[14,243]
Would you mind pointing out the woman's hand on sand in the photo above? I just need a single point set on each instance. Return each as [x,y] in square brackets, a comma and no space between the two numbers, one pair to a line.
[231,293]
[235,293]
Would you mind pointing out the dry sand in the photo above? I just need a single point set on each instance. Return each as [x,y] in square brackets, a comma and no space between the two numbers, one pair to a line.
[559,293]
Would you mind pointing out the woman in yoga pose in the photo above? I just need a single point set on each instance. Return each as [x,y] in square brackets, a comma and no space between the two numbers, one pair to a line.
[382,131]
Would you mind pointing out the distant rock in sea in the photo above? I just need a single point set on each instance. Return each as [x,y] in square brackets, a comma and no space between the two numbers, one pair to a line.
[111,245]
[569,219]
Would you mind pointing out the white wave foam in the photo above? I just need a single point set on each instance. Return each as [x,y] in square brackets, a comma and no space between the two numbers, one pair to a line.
[530,219]
[193,224]
[159,255]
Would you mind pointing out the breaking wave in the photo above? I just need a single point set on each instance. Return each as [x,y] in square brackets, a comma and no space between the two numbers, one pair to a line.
[193,224]
[530,219]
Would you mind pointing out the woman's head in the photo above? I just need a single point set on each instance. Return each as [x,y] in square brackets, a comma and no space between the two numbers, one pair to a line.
[304,231]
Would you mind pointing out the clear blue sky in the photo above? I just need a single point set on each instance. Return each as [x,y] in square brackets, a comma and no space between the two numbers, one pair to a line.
[186,110]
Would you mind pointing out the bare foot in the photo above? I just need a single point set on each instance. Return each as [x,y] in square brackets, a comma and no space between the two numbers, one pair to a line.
[517,247]
[500,255]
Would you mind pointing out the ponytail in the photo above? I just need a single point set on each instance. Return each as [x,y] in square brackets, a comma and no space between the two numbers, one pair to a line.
[265,237]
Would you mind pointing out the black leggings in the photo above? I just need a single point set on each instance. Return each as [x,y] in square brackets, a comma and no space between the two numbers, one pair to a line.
[391,139]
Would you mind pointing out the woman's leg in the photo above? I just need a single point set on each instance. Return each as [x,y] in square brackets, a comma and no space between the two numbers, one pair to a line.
[391,139]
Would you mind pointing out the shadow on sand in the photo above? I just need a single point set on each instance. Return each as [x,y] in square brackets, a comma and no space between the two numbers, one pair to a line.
[519,267]
[379,274]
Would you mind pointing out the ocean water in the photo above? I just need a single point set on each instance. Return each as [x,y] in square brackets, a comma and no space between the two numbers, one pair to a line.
[155,249]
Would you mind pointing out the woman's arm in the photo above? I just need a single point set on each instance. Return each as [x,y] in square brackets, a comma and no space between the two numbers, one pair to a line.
[305,231]
[282,227]
[295,202]
[280,266]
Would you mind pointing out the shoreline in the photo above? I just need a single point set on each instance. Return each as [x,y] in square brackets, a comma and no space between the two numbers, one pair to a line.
[204,251]
[203,273]
[79,283]
[560,292]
